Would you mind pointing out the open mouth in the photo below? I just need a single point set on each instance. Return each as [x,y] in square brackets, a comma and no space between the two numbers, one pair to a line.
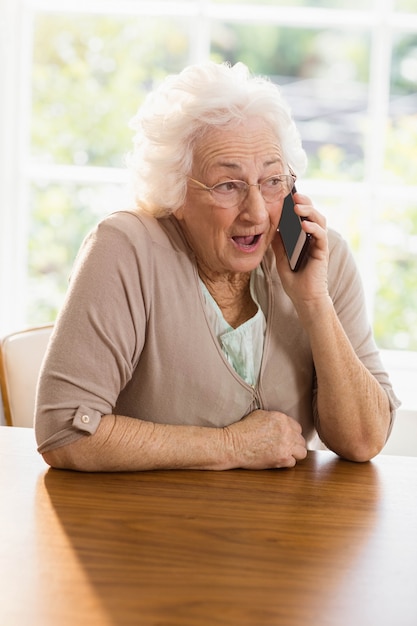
[246,242]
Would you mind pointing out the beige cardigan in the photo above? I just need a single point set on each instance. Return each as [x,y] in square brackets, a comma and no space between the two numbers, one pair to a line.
[133,338]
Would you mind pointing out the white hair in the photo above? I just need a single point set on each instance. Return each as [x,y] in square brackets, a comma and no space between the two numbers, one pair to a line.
[178,113]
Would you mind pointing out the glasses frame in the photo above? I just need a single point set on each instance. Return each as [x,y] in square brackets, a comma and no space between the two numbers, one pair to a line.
[246,185]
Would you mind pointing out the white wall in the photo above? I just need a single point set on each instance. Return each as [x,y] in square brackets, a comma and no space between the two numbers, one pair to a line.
[402,367]
[403,440]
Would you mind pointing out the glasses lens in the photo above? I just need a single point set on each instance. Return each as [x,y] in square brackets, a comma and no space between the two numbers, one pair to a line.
[276,187]
[229,194]
[232,192]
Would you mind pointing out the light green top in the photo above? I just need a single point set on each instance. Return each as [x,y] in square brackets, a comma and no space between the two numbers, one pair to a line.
[242,346]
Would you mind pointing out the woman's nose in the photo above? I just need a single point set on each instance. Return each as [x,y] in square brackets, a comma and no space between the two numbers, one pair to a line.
[253,207]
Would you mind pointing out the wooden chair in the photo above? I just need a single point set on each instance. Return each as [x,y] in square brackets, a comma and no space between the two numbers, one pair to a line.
[21,355]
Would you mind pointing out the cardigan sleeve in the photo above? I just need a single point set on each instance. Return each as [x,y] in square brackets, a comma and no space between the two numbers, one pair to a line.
[97,338]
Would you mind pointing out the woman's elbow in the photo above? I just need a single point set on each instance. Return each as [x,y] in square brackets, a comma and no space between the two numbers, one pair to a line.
[66,458]
[361,451]
[56,459]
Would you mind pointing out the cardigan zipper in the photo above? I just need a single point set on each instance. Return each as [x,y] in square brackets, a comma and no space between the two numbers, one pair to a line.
[257,401]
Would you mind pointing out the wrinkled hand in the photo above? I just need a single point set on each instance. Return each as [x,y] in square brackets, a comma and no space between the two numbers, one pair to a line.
[264,440]
[310,282]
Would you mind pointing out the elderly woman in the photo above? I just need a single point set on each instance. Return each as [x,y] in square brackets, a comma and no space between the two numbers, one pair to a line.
[186,341]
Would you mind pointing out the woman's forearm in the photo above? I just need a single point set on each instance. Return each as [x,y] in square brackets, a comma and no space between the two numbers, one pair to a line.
[353,408]
[127,444]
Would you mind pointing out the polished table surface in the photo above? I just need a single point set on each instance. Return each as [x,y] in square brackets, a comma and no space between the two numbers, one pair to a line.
[327,543]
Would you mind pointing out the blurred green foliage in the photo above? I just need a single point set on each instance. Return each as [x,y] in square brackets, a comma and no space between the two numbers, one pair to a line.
[89,75]
[62,214]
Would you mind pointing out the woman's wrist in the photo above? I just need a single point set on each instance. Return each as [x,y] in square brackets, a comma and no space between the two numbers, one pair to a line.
[315,311]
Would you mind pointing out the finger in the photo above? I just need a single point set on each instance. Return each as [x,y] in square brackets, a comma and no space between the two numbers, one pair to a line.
[300,453]
[310,214]
[291,461]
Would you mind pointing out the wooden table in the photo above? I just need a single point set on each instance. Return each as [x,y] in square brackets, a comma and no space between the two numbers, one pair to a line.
[328,543]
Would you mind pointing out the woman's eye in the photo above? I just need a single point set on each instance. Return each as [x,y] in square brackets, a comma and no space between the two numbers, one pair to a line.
[226,186]
[272,182]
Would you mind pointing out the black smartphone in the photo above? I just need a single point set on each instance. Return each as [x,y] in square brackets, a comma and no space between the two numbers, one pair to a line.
[295,240]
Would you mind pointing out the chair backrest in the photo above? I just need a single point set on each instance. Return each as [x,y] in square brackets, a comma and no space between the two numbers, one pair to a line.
[21,355]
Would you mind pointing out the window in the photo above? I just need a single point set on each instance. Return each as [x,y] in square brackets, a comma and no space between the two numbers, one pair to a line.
[74,74]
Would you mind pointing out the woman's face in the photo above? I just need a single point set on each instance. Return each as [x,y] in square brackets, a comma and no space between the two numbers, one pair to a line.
[232,240]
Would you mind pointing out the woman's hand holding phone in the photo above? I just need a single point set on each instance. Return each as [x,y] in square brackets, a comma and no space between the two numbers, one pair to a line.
[308,282]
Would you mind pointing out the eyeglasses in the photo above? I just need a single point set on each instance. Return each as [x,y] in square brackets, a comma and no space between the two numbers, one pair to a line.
[231,193]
